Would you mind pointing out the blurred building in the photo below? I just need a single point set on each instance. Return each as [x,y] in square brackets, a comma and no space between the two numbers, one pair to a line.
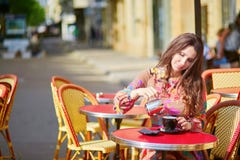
[79,8]
[53,11]
[68,26]
[143,28]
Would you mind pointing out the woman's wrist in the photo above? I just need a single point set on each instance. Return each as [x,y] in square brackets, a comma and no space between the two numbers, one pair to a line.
[190,124]
[133,94]
[195,125]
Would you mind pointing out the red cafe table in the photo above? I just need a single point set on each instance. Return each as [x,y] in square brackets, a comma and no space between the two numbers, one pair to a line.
[107,98]
[104,97]
[183,141]
[106,111]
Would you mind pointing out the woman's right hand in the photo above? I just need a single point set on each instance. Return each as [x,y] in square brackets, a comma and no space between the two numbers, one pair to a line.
[122,102]
[147,93]
[120,97]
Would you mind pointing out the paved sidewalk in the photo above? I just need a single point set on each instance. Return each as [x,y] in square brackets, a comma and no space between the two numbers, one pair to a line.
[118,66]
[33,124]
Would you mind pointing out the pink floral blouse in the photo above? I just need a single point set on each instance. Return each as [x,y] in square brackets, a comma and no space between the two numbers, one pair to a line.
[169,95]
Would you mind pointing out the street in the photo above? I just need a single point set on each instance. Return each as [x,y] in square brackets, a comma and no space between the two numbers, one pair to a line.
[33,123]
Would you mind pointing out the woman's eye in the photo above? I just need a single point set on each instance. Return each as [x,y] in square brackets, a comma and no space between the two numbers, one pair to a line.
[190,60]
[181,54]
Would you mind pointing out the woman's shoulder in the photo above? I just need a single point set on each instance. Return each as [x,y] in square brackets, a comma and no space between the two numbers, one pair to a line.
[145,75]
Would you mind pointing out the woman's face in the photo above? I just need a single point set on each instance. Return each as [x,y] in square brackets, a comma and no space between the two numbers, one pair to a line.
[183,59]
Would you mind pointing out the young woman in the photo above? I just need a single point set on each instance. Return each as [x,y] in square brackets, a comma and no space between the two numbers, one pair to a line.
[176,81]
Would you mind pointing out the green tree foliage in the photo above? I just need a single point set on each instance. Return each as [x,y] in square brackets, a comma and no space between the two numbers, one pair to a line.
[31,8]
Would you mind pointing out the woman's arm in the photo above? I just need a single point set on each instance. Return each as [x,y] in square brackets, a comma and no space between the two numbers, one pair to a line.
[194,124]
[125,98]
[197,122]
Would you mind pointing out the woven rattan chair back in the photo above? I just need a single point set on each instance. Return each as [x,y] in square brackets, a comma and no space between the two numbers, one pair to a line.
[3,103]
[4,93]
[234,143]
[221,78]
[213,99]
[238,96]
[224,118]
[75,96]
[92,127]
[72,97]
[56,83]
[11,81]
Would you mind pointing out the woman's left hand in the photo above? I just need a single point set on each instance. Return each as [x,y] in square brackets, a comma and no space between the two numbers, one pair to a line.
[185,125]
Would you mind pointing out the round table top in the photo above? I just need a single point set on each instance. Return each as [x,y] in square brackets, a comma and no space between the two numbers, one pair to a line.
[227,92]
[182,141]
[106,111]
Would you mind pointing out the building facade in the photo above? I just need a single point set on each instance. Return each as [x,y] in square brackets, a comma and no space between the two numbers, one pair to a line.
[143,28]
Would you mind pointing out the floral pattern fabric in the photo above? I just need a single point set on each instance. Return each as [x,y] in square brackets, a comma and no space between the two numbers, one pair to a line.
[172,101]
[170,96]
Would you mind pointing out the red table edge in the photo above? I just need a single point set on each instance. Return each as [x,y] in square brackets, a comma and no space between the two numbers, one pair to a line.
[113,114]
[165,147]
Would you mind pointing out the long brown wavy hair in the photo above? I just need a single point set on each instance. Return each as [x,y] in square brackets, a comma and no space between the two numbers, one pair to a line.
[191,82]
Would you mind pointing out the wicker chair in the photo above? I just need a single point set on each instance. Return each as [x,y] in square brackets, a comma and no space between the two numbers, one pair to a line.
[4,91]
[92,127]
[222,80]
[223,121]
[11,81]
[3,101]
[238,96]
[213,99]
[71,98]
[234,141]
